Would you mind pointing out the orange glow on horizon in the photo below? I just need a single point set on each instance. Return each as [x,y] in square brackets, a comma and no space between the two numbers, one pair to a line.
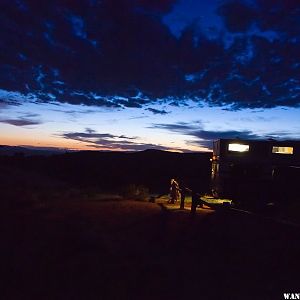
[62,144]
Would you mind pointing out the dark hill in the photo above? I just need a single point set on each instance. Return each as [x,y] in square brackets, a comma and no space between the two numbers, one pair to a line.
[24,151]
[114,170]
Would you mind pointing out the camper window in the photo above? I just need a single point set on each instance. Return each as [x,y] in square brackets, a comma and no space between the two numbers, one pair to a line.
[238,147]
[282,150]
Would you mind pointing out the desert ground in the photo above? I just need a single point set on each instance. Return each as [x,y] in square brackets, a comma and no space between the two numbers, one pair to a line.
[124,249]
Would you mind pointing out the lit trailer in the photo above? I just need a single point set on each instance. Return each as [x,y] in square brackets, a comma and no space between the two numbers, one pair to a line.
[255,171]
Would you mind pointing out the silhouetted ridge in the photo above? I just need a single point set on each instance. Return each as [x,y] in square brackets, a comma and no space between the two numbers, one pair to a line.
[114,170]
[19,150]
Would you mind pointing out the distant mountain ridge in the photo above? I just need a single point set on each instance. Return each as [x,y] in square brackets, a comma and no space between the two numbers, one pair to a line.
[111,170]
[28,151]
[44,151]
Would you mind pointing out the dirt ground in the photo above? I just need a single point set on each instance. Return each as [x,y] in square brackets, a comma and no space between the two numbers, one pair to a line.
[139,250]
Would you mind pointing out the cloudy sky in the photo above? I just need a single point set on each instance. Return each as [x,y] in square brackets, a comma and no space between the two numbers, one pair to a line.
[139,74]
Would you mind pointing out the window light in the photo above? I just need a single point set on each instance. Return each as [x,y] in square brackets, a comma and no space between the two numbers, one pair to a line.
[238,147]
[282,150]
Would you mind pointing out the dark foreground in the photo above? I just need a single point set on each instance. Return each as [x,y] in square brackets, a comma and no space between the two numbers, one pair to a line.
[137,250]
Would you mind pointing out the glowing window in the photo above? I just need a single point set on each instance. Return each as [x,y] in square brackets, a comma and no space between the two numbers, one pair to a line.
[282,150]
[238,147]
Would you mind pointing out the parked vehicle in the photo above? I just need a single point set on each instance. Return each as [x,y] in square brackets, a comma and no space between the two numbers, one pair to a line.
[256,172]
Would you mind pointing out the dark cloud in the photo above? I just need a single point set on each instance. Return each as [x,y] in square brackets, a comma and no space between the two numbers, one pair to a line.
[6,101]
[214,135]
[74,113]
[109,141]
[282,135]
[237,15]
[179,127]
[157,111]
[90,130]
[88,136]
[121,54]
[206,137]
[20,121]
[30,115]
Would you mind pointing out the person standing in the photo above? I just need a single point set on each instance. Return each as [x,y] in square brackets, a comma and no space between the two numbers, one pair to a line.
[174,191]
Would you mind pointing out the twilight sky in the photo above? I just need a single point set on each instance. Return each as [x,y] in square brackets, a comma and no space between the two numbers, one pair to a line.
[139,74]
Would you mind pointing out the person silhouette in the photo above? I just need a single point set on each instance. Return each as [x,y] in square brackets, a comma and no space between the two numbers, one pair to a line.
[174,191]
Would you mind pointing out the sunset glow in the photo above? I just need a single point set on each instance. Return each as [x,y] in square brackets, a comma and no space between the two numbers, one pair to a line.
[183,73]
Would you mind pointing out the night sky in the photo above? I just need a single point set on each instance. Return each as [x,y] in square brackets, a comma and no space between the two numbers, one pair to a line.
[140,74]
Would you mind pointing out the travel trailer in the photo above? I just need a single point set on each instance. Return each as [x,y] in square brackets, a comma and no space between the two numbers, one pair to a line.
[256,171]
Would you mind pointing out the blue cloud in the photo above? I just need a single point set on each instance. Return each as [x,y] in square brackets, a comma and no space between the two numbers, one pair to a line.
[69,52]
